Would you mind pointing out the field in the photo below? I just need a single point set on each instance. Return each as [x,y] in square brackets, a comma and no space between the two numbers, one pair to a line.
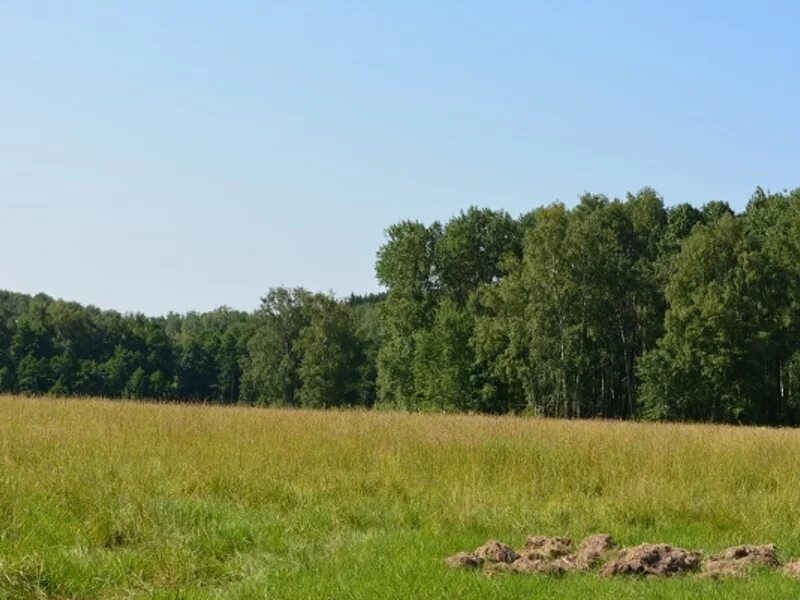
[108,499]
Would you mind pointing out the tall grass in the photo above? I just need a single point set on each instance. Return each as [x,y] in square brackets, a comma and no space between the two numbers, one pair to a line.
[103,499]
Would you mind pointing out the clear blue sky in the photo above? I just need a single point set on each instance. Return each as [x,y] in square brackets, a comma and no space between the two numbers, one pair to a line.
[160,156]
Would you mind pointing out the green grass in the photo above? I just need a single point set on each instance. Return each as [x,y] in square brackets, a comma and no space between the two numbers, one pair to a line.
[103,499]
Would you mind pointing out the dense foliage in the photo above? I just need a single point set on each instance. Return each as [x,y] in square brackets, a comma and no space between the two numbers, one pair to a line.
[613,309]
[299,348]
[610,309]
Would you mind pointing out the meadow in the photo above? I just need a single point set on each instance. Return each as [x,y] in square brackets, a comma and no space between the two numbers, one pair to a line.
[112,499]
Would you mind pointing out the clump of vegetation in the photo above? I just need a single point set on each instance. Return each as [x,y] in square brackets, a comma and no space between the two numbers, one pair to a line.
[103,499]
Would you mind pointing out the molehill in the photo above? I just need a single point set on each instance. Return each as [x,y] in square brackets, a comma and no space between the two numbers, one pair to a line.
[600,553]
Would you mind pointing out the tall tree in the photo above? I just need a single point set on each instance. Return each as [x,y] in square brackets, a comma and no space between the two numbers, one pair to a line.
[271,373]
[329,355]
[405,266]
[471,251]
[697,370]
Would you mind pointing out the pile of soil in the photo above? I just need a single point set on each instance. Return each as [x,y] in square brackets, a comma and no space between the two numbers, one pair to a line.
[539,554]
[653,559]
[593,550]
[735,561]
[546,548]
[496,552]
[556,555]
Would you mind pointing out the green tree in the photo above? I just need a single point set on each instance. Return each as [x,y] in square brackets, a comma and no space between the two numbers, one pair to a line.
[369,334]
[405,265]
[472,249]
[444,360]
[698,370]
[271,372]
[328,350]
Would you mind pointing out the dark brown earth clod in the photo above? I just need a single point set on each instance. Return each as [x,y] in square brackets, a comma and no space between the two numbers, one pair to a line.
[496,552]
[463,560]
[541,547]
[653,559]
[734,561]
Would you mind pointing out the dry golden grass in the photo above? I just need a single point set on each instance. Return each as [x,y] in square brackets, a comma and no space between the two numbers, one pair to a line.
[116,499]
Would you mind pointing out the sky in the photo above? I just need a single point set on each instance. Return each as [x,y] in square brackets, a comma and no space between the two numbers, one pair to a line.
[175,156]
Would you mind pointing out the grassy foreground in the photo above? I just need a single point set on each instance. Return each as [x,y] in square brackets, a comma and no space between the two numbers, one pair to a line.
[102,499]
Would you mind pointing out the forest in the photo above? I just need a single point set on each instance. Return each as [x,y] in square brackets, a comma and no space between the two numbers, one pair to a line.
[624,309]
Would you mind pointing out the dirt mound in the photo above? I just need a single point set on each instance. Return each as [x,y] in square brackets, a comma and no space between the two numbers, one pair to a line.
[496,552]
[555,555]
[527,566]
[539,554]
[734,561]
[653,559]
[491,553]
[592,550]
[541,547]
[463,560]
[545,567]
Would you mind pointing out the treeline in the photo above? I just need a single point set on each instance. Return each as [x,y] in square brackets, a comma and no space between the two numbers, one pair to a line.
[614,309]
[299,348]
[619,309]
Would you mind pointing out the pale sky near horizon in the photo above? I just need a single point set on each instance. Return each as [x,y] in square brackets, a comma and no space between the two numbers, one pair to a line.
[174,156]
